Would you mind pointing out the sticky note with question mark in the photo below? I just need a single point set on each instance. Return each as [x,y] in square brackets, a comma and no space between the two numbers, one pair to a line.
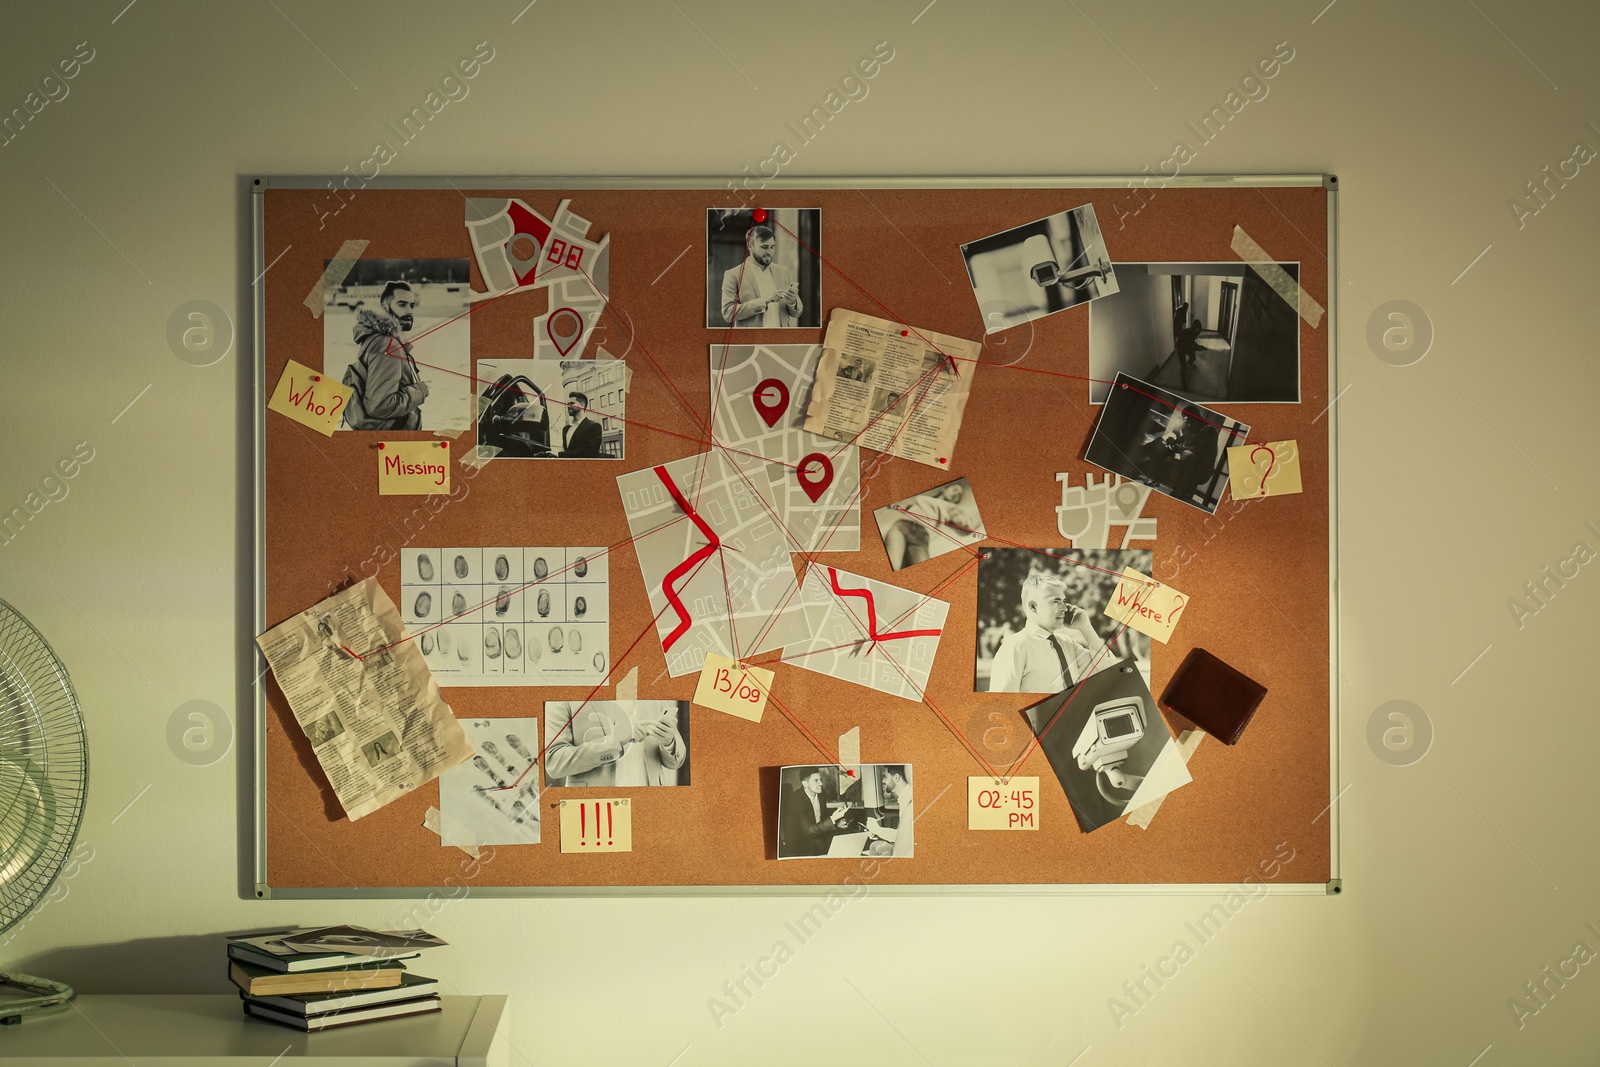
[1269,469]
[310,398]
[1146,605]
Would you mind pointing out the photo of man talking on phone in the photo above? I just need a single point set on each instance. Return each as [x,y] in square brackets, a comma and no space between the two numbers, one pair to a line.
[616,743]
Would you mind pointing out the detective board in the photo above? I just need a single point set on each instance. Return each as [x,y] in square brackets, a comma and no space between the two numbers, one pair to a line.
[1259,575]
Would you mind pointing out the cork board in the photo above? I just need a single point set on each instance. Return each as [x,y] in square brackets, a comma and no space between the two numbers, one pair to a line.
[1260,578]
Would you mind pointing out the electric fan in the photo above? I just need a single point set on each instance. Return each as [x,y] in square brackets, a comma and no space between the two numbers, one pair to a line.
[44,775]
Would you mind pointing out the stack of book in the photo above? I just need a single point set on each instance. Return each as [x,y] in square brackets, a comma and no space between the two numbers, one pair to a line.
[332,976]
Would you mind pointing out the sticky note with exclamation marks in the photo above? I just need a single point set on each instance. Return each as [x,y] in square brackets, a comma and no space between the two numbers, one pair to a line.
[596,826]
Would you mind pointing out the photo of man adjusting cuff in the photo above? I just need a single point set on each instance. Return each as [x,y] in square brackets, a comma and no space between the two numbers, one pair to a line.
[616,743]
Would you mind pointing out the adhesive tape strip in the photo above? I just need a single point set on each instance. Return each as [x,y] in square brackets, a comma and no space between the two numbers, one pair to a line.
[1188,741]
[451,833]
[1256,259]
[850,748]
[628,688]
[474,459]
[338,267]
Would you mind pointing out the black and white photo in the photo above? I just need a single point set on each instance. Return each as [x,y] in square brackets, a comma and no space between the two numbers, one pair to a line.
[931,523]
[1041,625]
[552,408]
[1175,446]
[763,268]
[845,811]
[1108,745]
[1039,268]
[397,332]
[616,742]
[1210,332]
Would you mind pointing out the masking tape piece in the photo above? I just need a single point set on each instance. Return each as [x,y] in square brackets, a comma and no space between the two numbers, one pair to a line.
[1188,741]
[1256,258]
[338,267]
[628,688]
[850,749]
[476,458]
[451,833]
[627,371]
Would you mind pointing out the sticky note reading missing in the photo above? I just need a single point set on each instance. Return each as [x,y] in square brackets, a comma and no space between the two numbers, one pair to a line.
[1256,258]
[730,687]
[1002,804]
[1270,469]
[413,468]
[1146,605]
[596,826]
[334,275]
[310,399]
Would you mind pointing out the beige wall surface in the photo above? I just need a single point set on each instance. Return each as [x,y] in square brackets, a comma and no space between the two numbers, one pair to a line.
[1468,871]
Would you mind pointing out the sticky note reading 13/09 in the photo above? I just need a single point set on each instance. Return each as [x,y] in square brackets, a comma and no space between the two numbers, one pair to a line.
[1146,605]
[726,685]
[596,825]
[1002,804]
[413,468]
[310,399]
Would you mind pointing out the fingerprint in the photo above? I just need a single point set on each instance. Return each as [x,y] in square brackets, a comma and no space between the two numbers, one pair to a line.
[513,644]
[461,566]
[444,640]
[423,605]
[541,569]
[461,652]
[425,567]
[581,568]
[576,640]
[533,650]
[580,607]
[555,639]
[543,603]
[491,643]
[502,568]
[458,603]
[427,644]
[502,603]
[600,662]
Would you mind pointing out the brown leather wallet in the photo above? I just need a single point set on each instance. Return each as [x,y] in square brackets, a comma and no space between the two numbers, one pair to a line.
[1213,696]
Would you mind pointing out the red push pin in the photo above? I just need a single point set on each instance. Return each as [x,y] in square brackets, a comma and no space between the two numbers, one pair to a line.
[759,214]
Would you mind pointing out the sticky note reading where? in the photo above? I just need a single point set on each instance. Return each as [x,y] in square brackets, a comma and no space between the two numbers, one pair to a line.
[1146,605]
[596,825]
[310,399]
[728,686]
[1270,469]
[1002,803]
[413,468]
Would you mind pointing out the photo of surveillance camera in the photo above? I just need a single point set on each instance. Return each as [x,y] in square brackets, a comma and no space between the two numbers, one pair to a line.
[1039,268]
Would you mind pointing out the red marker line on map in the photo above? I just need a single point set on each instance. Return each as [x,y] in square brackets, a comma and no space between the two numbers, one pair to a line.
[704,552]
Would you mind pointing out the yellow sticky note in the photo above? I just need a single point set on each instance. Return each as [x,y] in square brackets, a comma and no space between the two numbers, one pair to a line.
[1271,469]
[596,826]
[413,468]
[1002,804]
[309,398]
[1146,605]
[726,685]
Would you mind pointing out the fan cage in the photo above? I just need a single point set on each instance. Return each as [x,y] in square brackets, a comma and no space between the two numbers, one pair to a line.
[44,766]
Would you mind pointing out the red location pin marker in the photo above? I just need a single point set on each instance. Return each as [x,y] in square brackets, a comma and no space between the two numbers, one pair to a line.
[816,474]
[771,399]
[564,326]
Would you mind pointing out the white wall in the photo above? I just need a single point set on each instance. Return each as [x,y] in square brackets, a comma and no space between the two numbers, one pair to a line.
[1462,476]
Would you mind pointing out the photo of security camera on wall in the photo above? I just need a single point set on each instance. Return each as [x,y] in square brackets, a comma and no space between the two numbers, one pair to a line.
[1108,745]
[1039,268]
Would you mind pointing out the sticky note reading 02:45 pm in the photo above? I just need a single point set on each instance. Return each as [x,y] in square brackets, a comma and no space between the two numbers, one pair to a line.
[1002,804]
[413,468]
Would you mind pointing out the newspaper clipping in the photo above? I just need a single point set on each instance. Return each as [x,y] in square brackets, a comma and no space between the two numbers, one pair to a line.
[370,707]
[889,387]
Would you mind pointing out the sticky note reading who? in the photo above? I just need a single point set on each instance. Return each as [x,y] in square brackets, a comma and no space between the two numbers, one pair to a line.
[1271,469]
[310,399]
[1146,605]
[413,468]
[596,825]
[728,686]
[1002,804]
